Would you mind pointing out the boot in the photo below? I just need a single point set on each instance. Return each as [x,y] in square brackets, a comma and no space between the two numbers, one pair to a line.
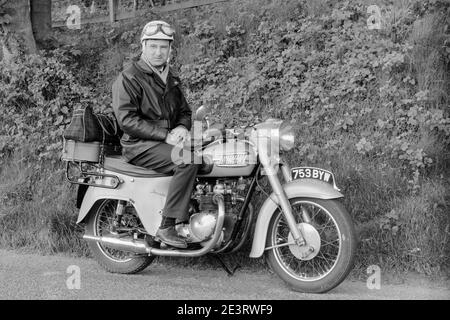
[170,236]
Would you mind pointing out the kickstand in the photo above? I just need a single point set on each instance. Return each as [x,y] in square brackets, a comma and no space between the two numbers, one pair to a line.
[225,267]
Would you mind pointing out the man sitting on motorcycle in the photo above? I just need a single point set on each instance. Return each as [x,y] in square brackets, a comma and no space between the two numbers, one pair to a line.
[154,116]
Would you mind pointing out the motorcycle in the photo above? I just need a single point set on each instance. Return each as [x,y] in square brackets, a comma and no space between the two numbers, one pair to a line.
[302,228]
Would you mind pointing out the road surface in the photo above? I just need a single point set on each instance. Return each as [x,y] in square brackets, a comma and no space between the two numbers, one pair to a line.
[31,276]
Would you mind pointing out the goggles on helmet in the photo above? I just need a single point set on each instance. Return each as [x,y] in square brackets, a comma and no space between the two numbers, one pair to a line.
[153,29]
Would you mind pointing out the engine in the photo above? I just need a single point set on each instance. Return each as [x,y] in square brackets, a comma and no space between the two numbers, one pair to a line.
[203,218]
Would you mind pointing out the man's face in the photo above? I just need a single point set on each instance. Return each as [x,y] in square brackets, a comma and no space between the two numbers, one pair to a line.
[156,51]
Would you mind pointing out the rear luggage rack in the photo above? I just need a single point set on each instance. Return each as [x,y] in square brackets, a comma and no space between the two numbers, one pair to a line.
[90,178]
[86,160]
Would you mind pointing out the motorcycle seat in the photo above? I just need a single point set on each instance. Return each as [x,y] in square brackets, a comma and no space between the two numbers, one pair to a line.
[117,164]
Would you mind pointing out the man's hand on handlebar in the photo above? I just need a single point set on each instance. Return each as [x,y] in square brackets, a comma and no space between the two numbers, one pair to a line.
[177,135]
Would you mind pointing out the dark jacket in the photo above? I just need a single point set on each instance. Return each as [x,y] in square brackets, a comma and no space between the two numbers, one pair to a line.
[141,101]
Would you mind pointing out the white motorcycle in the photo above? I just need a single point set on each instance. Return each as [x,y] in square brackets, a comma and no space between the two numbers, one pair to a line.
[303,229]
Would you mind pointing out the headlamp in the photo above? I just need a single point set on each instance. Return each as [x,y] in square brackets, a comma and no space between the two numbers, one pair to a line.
[287,136]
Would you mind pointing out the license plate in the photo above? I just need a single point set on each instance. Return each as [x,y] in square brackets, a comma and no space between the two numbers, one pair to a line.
[313,173]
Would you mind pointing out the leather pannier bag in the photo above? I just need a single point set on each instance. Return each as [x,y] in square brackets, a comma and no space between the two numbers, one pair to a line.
[89,127]
[89,137]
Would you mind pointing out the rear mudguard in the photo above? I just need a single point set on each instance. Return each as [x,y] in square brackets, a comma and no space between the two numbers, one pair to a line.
[146,195]
[293,189]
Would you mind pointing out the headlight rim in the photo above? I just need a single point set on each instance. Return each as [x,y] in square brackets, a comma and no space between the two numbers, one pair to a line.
[286,136]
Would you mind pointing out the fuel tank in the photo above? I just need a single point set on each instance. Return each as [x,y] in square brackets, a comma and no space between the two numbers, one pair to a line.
[229,159]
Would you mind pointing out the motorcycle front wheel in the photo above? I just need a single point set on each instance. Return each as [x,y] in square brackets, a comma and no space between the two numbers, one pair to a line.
[328,256]
[113,260]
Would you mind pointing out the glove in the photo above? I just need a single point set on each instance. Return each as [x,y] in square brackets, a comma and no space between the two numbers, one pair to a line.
[172,139]
[179,133]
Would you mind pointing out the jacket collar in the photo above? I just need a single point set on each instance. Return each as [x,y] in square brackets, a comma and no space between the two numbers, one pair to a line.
[143,66]
[172,80]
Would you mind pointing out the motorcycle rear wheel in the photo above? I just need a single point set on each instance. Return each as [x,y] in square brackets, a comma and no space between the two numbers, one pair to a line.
[113,260]
[334,258]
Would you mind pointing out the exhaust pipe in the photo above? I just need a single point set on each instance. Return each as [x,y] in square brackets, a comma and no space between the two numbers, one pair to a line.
[141,247]
[137,246]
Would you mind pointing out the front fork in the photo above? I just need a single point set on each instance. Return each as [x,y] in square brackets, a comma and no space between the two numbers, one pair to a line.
[283,200]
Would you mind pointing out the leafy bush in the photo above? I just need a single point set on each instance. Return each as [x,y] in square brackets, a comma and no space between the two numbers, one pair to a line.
[37,97]
[320,71]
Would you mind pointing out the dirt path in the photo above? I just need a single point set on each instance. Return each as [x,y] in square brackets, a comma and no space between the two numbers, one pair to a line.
[30,276]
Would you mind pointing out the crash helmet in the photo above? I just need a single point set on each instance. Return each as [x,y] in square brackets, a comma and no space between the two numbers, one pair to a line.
[157,30]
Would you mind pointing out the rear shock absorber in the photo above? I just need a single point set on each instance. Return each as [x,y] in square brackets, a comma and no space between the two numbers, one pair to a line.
[118,217]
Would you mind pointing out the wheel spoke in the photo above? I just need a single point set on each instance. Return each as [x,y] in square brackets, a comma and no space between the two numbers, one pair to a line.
[327,260]
[315,212]
[323,227]
[313,266]
[330,243]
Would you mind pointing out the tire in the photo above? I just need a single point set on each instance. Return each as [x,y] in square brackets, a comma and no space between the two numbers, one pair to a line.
[115,261]
[331,261]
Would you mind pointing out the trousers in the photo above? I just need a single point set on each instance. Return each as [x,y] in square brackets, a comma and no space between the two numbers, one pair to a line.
[159,159]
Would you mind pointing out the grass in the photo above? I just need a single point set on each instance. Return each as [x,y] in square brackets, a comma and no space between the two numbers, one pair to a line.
[37,211]
[427,57]
[413,235]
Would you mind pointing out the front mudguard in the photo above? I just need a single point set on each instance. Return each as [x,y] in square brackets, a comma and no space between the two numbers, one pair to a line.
[297,188]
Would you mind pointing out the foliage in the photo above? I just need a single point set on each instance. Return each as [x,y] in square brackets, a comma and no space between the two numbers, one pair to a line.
[5,18]
[322,71]
[37,97]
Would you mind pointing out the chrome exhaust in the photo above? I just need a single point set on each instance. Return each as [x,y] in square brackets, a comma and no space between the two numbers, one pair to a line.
[136,246]
[141,247]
